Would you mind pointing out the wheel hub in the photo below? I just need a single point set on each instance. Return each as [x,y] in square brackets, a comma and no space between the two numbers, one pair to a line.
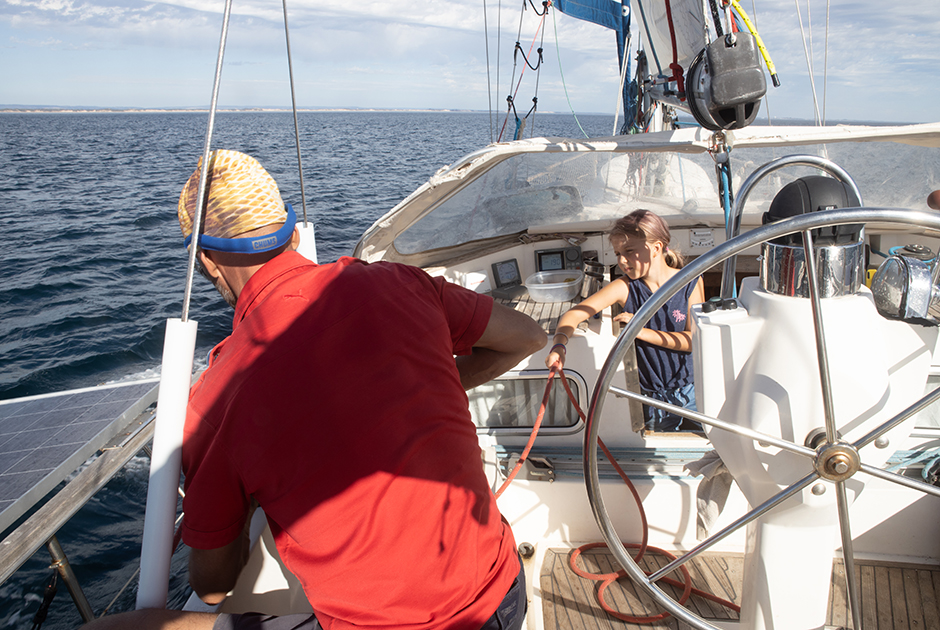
[837,461]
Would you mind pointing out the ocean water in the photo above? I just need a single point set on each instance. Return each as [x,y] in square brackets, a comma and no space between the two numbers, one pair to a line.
[93,265]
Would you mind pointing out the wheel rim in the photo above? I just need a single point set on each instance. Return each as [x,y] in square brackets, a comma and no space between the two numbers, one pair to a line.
[833,459]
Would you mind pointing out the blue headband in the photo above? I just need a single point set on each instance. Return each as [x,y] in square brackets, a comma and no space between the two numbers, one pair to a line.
[253,245]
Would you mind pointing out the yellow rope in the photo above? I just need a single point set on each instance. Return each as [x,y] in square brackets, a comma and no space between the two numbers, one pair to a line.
[760,42]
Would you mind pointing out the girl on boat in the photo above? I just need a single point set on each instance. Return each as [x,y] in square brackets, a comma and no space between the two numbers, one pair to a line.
[664,349]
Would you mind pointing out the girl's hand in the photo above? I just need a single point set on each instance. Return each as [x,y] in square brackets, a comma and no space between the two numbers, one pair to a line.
[556,355]
[623,317]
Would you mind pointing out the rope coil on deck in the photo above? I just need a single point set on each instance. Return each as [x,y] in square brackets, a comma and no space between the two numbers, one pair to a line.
[607,579]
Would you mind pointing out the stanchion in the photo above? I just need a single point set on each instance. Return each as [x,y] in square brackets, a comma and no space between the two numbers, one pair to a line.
[175,378]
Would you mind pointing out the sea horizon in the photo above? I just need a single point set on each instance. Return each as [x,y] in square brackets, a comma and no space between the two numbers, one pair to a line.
[684,118]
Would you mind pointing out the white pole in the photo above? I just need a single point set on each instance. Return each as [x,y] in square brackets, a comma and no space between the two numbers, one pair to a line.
[175,379]
[308,242]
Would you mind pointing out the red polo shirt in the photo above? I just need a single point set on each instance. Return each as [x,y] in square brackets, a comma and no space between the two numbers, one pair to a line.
[336,403]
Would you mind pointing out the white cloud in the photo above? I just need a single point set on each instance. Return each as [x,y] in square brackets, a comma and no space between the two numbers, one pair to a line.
[432,50]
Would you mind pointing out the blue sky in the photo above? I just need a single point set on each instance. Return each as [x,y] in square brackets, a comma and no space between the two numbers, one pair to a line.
[882,56]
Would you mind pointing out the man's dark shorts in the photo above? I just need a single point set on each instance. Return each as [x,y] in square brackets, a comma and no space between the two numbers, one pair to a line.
[509,615]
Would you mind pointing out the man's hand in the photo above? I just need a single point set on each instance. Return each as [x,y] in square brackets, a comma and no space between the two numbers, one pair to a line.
[510,337]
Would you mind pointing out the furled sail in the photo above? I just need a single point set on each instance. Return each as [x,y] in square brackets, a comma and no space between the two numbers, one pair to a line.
[671,22]
[672,33]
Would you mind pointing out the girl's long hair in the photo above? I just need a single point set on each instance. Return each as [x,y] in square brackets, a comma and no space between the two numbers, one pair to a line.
[651,228]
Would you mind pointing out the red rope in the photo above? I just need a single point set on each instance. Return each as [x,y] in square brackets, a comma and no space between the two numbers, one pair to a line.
[535,432]
[607,579]
[674,66]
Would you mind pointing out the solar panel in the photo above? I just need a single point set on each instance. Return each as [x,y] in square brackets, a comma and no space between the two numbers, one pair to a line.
[44,438]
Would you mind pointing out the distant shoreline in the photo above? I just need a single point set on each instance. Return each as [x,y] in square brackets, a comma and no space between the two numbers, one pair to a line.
[38,109]
[197,110]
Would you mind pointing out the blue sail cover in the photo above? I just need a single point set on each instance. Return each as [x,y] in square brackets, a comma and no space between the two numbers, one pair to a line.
[607,13]
[614,15]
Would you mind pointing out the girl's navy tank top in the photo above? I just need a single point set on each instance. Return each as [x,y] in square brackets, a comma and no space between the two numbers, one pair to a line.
[661,369]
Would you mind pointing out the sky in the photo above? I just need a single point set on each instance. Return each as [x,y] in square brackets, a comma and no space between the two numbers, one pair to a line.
[880,62]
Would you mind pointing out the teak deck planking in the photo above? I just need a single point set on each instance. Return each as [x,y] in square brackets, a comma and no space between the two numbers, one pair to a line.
[893,596]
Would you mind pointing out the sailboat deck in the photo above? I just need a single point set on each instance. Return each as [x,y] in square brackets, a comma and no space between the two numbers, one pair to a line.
[893,596]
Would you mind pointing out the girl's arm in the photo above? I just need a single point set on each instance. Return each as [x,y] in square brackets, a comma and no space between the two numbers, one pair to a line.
[615,292]
[681,341]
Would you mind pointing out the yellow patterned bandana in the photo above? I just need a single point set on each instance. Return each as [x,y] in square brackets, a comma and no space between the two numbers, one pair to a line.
[242,197]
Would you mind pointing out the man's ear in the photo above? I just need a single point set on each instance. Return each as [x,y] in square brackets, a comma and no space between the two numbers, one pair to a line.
[208,264]
[295,239]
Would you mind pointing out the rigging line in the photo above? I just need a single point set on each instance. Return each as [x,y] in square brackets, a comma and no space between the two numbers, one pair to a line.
[538,72]
[649,38]
[562,75]
[515,62]
[809,64]
[826,65]
[809,28]
[526,59]
[713,6]
[544,10]
[499,44]
[203,172]
[511,98]
[293,102]
[489,82]
[624,67]
[531,46]
[766,94]
[518,37]
[707,21]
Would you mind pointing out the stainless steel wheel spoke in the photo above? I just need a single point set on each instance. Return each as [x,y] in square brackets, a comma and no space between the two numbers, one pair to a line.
[848,556]
[757,436]
[760,510]
[822,360]
[917,407]
[822,356]
[901,480]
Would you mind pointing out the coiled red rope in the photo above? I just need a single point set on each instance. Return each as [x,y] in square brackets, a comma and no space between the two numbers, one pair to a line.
[607,579]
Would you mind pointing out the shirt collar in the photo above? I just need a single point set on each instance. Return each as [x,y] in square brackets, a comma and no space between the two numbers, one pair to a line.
[286,264]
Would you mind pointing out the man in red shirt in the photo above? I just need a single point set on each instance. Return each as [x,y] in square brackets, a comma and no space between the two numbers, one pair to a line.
[338,406]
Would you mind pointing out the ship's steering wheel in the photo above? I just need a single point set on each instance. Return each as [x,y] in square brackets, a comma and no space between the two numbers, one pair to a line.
[832,459]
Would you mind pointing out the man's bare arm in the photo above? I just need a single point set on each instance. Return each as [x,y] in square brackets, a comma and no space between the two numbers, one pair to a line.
[509,337]
[214,572]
